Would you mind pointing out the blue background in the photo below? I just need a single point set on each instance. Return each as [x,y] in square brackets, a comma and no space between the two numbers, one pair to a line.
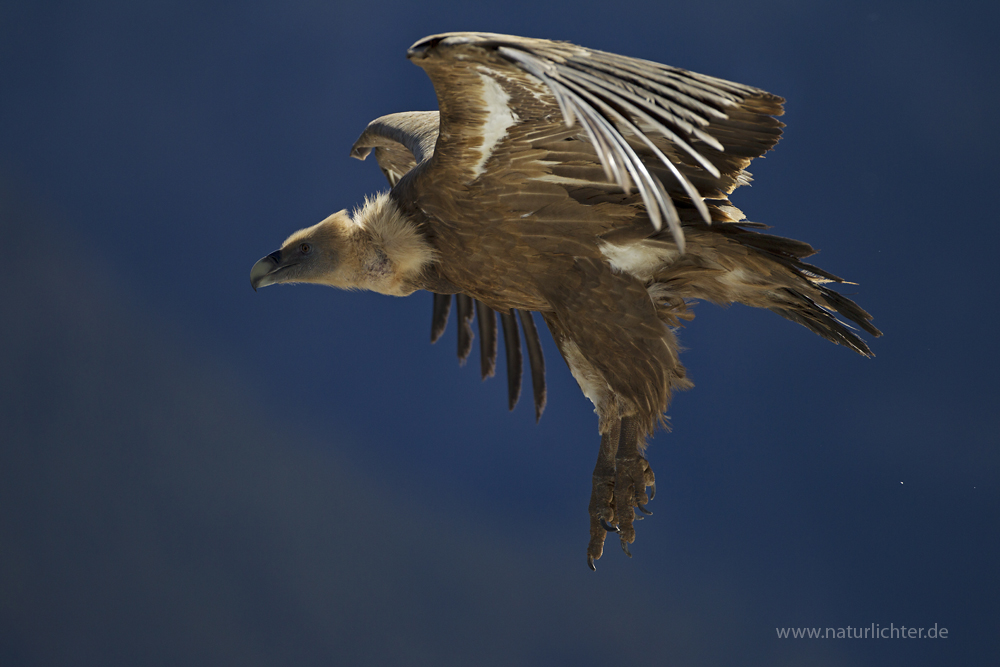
[192,473]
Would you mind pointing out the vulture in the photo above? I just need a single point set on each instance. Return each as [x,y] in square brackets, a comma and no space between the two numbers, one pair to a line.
[589,188]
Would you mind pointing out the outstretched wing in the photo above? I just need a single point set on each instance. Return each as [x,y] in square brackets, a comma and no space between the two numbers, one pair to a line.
[557,114]
[401,141]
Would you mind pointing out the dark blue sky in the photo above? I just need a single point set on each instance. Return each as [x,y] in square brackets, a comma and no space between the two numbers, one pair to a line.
[193,473]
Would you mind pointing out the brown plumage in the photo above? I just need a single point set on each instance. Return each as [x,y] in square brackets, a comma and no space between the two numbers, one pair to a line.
[591,188]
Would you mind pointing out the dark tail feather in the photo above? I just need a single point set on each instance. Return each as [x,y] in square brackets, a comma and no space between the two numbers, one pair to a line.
[850,310]
[439,318]
[512,347]
[535,359]
[788,252]
[487,319]
[808,313]
[802,308]
[465,314]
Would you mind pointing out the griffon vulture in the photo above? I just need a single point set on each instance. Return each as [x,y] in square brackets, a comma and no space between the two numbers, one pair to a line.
[590,188]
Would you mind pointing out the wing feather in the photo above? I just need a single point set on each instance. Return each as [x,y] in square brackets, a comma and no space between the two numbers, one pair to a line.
[465,314]
[512,348]
[439,316]
[487,319]
[535,360]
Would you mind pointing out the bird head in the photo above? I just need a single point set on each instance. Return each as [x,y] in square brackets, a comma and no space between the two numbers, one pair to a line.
[317,254]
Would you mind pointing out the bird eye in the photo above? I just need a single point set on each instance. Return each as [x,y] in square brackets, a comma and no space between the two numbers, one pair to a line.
[305,248]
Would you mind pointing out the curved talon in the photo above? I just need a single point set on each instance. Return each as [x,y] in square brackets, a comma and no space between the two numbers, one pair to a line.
[652,491]
[642,508]
[590,563]
[608,527]
[625,549]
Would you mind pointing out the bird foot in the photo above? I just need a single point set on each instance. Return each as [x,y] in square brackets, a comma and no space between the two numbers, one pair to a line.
[632,476]
[619,487]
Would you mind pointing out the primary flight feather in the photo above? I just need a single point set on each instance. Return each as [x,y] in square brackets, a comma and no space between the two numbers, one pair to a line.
[590,188]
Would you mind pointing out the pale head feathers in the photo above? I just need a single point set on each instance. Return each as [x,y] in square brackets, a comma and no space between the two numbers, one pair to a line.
[396,235]
[377,248]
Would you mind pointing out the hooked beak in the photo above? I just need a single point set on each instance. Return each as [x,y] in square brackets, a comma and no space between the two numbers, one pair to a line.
[263,272]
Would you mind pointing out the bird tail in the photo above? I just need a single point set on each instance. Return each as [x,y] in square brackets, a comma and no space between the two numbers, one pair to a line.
[729,262]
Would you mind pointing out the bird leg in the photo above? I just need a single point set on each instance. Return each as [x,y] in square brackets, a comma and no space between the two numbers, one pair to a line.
[602,507]
[619,485]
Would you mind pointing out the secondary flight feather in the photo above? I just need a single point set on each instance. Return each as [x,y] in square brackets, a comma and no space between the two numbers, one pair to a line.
[589,188]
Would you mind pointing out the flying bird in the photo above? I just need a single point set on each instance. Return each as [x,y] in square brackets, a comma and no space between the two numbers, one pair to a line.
[592,189]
